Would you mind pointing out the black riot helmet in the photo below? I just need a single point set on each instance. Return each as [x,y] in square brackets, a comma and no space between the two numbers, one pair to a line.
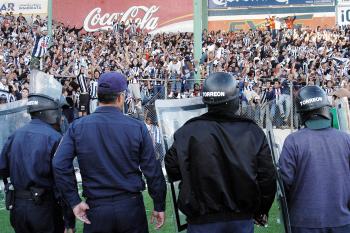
[314,108]
[220,88]
[45,108]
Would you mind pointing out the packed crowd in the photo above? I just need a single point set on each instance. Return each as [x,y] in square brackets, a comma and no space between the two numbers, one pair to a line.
[270,63]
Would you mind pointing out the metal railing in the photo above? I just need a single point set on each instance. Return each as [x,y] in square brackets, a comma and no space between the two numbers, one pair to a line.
[279,113]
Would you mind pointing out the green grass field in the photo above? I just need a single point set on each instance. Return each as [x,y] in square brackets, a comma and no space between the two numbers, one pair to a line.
[169,227]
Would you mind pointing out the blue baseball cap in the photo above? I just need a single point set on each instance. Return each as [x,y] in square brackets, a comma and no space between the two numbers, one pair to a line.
[112,83]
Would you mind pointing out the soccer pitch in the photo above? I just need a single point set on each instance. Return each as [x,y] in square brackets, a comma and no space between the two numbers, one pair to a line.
[169,227]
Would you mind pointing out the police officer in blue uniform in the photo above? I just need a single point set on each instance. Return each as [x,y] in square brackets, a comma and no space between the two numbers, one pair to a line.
[26,158]
[314,166]
[113,152]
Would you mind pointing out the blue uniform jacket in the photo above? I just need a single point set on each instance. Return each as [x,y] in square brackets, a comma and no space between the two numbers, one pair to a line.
[315,169]
[27,156]
[113,151]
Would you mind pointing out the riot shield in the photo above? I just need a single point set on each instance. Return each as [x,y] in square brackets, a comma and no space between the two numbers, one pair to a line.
[45,85]
[281,194]
[341,115]
[172,114]
[12,116]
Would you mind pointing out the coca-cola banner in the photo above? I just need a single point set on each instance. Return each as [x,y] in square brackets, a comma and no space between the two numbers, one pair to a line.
[150,15]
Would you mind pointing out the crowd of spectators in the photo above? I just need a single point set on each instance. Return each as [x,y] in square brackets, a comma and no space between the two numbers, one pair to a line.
[271,63]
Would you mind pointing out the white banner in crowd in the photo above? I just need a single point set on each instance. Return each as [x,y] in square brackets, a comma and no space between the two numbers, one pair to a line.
[23,6]
[343,15]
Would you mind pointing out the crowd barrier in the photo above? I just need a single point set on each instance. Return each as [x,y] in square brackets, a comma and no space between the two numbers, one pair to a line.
[280,114]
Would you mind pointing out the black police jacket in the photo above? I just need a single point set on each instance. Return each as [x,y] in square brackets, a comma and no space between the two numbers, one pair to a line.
[225,167]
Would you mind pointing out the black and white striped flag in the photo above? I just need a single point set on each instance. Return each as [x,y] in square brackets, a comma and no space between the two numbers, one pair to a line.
[41,46]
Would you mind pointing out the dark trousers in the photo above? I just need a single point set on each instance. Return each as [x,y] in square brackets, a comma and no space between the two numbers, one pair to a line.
[126,215]
[28,217]
[342,229]
[236,226]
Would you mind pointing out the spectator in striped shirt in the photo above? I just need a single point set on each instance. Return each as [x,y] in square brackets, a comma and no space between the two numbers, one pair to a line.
[134,82]
[93,91]
[83,95]
[41,45]
[154,131]
[174,69]
[329,90]
[265,95]
[277,104]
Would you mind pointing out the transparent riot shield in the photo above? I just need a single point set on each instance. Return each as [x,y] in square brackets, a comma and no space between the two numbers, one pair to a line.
[45,85]
[172,114]
[12,116]
[281,195]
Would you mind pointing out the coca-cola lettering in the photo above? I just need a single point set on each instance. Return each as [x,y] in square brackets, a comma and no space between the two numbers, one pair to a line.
[142,15]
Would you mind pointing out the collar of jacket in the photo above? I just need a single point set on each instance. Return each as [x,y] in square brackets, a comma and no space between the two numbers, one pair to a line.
[108,109]
[38,121]
[220,117]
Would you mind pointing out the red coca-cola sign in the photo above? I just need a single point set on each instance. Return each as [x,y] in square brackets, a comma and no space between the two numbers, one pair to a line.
[150,15]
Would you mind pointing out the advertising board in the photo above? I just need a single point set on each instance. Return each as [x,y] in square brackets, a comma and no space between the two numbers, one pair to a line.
[240,22]
[213,4]
[25,7]
[343,15]
[150,15]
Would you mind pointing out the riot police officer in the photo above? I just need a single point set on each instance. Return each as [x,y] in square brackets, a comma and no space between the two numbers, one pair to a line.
[113,151]
[26,158]
[224,164]
[314,166]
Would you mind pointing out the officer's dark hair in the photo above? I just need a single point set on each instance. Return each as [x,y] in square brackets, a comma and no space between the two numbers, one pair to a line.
[108,98]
